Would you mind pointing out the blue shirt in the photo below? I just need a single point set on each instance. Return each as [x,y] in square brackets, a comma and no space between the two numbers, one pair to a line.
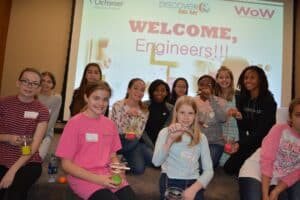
[182,160]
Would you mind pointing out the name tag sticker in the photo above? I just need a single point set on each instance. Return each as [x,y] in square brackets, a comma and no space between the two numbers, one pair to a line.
[30,114]
[91,137]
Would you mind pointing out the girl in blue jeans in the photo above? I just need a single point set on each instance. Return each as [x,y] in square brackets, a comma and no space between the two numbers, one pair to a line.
[130,116]
[178,149]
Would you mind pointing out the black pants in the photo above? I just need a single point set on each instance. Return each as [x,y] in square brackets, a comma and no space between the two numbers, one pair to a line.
[25,177]
[125,193]
[235,162]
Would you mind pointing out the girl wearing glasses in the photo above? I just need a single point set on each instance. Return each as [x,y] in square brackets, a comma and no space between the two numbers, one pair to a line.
[21,116]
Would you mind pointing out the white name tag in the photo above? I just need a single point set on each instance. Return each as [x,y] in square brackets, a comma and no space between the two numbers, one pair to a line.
[91,137]
[30,114]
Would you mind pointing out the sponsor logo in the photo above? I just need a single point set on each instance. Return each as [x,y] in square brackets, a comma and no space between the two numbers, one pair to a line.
[107,4]
[254,12]
[185,7]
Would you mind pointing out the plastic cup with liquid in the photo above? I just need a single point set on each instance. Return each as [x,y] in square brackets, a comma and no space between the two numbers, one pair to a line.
[174,193]
[229,141]
[26,145]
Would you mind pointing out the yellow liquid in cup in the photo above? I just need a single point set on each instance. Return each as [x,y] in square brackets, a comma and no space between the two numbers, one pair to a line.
[26,150]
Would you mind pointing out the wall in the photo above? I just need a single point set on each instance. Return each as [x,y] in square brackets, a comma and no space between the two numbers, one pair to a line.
[297,51]
[5,6]
[38,36]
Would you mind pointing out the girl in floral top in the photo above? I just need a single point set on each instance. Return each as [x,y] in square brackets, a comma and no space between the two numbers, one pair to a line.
[130,116]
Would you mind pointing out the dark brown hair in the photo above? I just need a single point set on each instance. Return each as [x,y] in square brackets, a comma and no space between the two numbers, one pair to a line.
[51,77]
[98,85]
[84,82]
[292,106]
[30,69]
[143,106]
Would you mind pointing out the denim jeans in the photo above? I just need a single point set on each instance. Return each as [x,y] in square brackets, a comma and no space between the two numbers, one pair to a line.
[216,151]
[165,182]
[250,189]
[137,154]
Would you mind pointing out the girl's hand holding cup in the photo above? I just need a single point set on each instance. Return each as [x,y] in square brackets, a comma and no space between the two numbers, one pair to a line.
[233,112]
[175,131]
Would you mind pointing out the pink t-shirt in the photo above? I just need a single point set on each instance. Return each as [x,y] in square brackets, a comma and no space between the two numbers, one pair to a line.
[280,155]
[89,143]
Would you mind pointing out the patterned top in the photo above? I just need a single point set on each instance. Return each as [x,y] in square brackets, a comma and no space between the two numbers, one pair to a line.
[280,154]
[212,114]
[230,127]
[19,118]
[126,122]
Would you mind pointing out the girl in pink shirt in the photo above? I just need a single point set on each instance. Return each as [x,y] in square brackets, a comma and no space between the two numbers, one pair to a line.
[279,162]
[88,146]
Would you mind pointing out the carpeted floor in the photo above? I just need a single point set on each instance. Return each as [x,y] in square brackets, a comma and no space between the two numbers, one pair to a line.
[222,187]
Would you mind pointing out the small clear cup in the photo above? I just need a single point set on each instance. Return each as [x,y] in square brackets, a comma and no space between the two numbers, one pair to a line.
[174,193]
[229,141]
[130,135]
[116,177]
[26,145]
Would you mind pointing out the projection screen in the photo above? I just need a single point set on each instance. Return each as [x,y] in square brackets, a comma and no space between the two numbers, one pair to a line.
[166,39]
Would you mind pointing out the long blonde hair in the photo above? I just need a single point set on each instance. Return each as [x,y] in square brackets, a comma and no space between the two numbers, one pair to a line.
[218,90]
[190,101]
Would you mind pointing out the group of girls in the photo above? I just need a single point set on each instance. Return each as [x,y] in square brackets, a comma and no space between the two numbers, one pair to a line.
[186,141]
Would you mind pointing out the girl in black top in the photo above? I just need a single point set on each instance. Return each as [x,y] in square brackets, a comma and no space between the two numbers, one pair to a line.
[258,109]
[92,73]
[159,110]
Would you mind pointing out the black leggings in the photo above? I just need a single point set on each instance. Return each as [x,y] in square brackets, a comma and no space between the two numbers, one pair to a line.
[25,177]
[233,165]
[126,193]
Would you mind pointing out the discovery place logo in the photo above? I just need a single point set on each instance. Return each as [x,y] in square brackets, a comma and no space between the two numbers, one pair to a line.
[107,4]
[185,7]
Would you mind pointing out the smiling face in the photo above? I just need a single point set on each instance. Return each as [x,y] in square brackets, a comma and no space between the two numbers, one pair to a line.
[160,93]
[29,85]
[186,115]
[224,79]
[295,118]
[47,84]
[97,102]
[92,74]
[251,81]
[136,91]
[180,88]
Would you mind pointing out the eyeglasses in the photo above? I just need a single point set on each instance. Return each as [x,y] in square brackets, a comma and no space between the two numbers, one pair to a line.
[28,83]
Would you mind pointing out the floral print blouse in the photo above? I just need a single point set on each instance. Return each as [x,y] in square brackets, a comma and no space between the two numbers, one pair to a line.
[126,122]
